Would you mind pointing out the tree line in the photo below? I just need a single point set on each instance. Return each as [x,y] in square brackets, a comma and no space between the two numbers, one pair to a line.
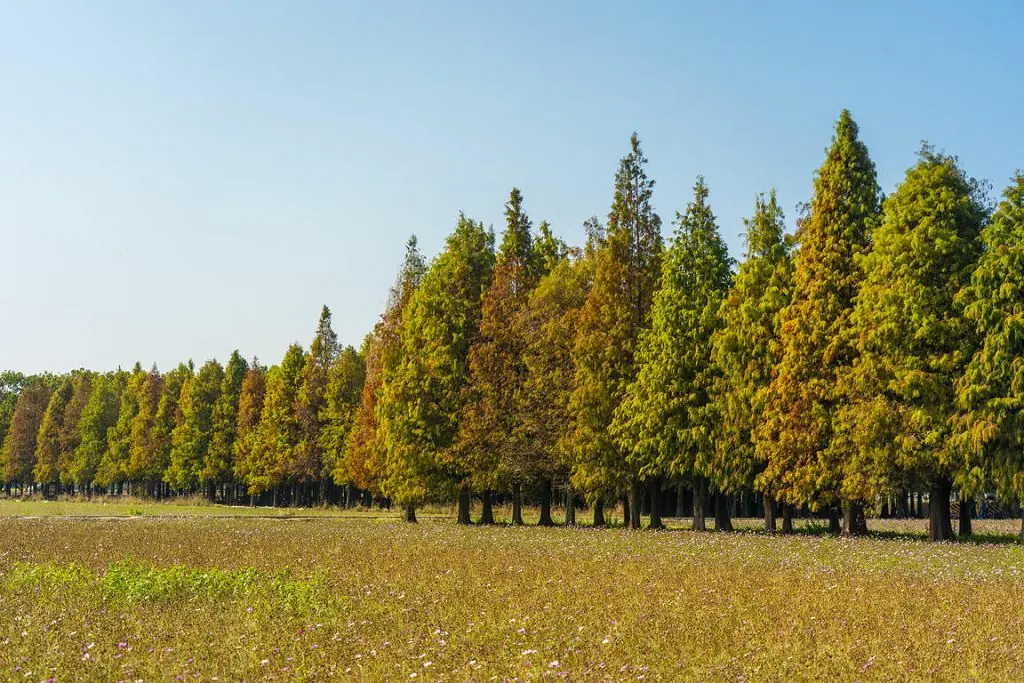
[874,354]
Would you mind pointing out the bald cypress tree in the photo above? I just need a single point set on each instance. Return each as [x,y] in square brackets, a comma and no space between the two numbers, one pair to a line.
[98,416]
[191,438]
[113,467]
[169,417]
[815,333]
[422,404]
[218,461]
[617,309]
[70,435]
[143,454]
[496,370]
[363,462]
[48,443]
[746,349]
[345,380]
[19,447]
[250,408]
[912,340]
[665,422]
[279,430]
[311,401]
[990,426]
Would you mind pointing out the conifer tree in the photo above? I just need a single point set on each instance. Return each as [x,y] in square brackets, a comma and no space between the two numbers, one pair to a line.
[98,416]
[665,422]
[912,340]
[991,391]
[617,309]
[341,401]
[250,408]
[19,445]
[365,455]
[309,461]
[191,438]
[144,450]
[113,467]
[169,417]
[10,386]
[796,433]
[279,431]
[746,349]
[547,325]
[48,444]
[422,403]
[218,461]
[496,371]
[70,436]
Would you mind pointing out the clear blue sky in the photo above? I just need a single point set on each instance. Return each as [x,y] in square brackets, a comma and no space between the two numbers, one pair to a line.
[179,179]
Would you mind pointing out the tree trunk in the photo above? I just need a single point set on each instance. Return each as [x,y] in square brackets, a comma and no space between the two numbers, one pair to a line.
[570,506]
[680,501]
[834,527]
[787,519]
[517,505]
[599,520]
[211,491]
[940,526]
[545,504]
[655,486]
[966,514]
[700,502]
[487,514]
[409,514]
[854,522]
[625,511]
[1022,529]
[464,504]
[769,513]
[722,521]
[635,503]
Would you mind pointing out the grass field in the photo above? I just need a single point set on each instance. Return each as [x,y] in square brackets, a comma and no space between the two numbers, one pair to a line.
[345,597]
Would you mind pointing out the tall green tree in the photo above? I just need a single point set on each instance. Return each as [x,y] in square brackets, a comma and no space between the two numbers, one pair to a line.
[311,402]
[250,408]
[991,391]
[48,443]
[98,416]
[10,386]
[279,431]
[341,401]
[912,340]
[628,268]
[143,453]
[19,446]
[219,459]
[746,349]
[666,423]
[191,438]
[70,435]
[422,403]
[169,417]
[113,467]
[364,460]
[815,333]
[496,369]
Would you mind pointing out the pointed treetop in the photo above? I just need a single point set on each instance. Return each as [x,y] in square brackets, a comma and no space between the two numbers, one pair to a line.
[516,243]
[765,231]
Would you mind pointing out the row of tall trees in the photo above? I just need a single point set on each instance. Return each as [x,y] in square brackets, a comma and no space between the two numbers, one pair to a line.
[874,352]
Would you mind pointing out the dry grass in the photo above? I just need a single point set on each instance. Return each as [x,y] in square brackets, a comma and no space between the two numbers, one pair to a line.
[266,599]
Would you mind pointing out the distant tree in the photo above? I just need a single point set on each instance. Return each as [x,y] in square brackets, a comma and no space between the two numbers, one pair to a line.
[341,401]
[746,350]
[169,417]
[666,421]
[219,459]
[250,408]
[796,433]
[496,370]
[991,391]
[19,446]
[70,435]
[616,311]
[421,405]
[279,430]
[191,438]
[48,443]
[364,460]
[113,467]
[98,416]
[311,402]
[10,386]
[144,464]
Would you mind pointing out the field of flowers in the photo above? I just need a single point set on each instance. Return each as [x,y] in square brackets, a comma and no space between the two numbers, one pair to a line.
[207,598]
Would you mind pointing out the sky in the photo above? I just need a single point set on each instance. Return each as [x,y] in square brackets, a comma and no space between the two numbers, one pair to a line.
[181,179]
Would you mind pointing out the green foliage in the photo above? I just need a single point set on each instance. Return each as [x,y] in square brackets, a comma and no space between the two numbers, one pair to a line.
[191,438]
[911,337]
[421,405]
[19,445]
[98,416]
[746,347]
[113,467]
[48,443]
[345,380]
[991,392]
[628,266]
[309,463]
[70,435]
[218,462]
[250,408]
[277,436]
[143,454]
[796,434]
[665,423]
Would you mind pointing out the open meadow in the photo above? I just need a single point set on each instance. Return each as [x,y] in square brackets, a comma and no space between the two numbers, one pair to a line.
[325,594]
